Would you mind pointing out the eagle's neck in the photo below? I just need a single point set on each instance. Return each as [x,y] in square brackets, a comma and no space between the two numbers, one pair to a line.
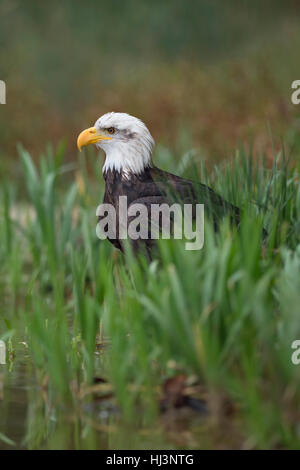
[128,158]
[114,178]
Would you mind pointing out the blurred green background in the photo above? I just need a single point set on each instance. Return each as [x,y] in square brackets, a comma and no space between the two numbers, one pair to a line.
[204,73]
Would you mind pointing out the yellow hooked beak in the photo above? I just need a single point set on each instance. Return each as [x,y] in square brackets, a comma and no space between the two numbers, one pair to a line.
[90,136]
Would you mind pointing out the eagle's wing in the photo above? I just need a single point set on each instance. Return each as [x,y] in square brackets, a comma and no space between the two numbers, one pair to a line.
[188,192]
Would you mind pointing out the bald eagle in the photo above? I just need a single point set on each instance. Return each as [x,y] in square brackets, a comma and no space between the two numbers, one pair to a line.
[128,171]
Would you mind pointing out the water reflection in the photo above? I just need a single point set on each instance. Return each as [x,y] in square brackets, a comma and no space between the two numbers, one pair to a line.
[31,417]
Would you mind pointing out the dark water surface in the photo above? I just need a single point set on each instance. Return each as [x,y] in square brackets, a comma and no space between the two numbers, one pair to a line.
[30,418]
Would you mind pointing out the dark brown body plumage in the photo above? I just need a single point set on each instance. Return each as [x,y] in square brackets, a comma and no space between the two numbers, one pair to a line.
[154,186]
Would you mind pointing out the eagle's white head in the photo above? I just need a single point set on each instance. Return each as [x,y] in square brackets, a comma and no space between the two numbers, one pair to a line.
[125,140]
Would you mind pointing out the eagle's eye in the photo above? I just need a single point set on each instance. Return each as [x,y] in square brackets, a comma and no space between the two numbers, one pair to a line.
[111,130]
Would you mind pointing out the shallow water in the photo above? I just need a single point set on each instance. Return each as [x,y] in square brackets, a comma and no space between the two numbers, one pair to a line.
[31,418]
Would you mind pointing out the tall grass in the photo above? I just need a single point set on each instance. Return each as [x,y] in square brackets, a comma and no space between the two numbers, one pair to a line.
[226,314]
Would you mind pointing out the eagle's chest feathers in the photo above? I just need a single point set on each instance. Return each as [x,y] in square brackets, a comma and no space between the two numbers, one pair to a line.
[125,184]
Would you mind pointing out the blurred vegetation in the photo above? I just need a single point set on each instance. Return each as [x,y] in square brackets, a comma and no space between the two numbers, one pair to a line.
[205,73]
[193,351]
